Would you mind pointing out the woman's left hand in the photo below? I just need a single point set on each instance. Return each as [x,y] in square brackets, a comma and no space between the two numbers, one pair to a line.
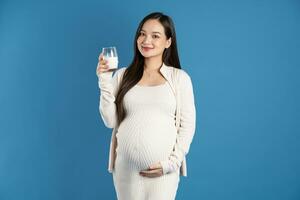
[154,170]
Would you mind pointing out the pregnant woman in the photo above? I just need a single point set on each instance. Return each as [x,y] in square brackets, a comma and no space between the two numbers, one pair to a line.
[142,103]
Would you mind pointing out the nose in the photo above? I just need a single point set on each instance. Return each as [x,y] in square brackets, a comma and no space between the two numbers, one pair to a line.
[147,40]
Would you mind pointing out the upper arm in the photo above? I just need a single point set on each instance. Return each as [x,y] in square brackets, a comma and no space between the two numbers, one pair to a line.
[187,109]
[116,80]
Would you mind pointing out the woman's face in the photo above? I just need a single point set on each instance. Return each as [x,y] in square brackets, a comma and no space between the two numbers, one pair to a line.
[152,40]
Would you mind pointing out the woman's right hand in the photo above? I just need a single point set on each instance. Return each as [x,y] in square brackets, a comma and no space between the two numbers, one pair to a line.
[102,66]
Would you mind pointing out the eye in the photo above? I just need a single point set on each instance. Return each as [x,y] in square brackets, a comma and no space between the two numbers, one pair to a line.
[155,36]
[142,34]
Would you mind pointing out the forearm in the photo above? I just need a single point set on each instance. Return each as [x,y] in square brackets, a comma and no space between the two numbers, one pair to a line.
[107,106]
[186,129]
[181,148]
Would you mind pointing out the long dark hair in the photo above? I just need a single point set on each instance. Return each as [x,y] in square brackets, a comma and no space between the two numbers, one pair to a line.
[134,72]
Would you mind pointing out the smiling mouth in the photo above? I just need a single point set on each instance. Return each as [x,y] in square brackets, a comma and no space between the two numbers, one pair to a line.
[147,48]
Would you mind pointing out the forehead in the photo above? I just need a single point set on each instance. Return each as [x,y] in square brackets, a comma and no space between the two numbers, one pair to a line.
[153,25]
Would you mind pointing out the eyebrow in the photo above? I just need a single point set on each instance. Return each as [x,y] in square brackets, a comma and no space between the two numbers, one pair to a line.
[152,32]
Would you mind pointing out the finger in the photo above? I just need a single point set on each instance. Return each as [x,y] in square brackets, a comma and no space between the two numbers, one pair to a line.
[100,56]
[155,166]
[150,175]
[102,62]
[100,66]
[102,70]
[98,72]
[150,171]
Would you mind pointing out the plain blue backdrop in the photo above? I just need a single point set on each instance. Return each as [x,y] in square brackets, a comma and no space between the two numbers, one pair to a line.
[242,56]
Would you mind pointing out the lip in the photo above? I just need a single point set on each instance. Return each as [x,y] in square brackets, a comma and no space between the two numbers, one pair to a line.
[147,48]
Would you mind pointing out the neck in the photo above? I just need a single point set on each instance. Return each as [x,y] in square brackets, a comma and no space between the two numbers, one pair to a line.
[153,63]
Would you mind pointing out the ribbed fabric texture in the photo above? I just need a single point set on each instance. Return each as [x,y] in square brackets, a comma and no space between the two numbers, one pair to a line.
[145,137]
[181,85]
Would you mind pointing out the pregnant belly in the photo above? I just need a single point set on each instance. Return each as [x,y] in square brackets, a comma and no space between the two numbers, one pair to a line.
[145,144]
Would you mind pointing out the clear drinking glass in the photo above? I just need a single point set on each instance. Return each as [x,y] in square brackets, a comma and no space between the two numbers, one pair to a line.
[111,56]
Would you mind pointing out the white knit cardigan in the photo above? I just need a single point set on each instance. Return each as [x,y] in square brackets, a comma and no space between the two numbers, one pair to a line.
[181,85]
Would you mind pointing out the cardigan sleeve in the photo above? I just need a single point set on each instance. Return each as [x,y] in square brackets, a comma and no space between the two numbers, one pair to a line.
[187,125]
[108,85]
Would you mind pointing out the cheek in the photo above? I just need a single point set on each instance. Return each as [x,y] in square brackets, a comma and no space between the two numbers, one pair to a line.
[139,40]
[138,44]
[160,44]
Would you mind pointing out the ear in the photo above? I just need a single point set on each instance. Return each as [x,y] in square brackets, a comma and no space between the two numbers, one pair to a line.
[169,42]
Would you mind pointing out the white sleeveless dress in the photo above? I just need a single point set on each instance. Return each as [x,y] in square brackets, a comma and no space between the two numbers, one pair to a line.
[146,136]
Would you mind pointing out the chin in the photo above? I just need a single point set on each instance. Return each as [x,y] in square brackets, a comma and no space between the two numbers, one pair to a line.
[148,55]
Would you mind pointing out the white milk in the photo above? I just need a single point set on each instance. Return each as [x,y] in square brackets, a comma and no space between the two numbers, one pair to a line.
[112,62]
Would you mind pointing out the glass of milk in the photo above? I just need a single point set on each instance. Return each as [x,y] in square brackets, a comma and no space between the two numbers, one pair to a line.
[111,56]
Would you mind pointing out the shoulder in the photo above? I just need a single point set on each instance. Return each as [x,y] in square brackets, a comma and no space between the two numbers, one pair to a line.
[118,75]
[119,72]
[183,76]
[179,72]
[185,83]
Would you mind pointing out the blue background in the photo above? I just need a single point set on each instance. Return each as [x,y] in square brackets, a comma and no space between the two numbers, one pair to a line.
[243,58]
